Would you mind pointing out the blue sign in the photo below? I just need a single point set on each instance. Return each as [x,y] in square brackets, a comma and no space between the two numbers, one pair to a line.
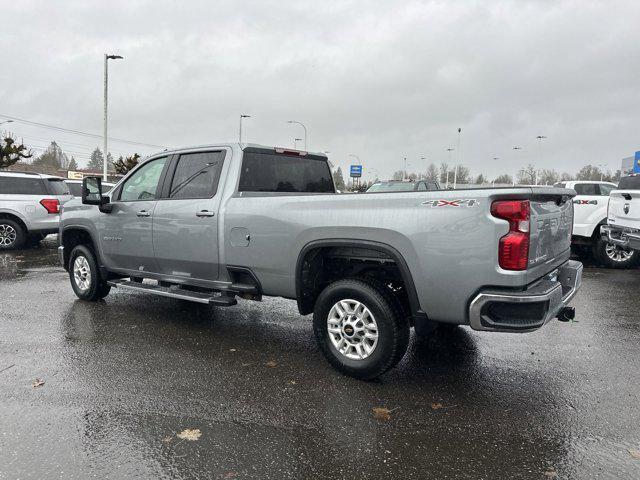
[636,163]
[356,171]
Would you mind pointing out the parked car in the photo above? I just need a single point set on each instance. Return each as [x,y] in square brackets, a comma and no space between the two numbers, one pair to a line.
[210,224]
[29,207]
[590,213]
[75,187]
[623,219]
[403,186]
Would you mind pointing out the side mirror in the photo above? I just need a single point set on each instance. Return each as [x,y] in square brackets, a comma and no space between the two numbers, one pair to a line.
[92,194]
[91,190]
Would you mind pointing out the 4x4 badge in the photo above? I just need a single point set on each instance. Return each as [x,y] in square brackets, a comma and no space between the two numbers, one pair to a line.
[468,202]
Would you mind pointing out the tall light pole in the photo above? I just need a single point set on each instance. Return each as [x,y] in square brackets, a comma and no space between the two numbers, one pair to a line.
[243,116]
[105,153]
[305,131]
[516,174]
[539,138]
[295,143]
[448,150]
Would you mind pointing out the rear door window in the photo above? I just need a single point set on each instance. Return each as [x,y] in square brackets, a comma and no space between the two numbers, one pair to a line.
[13,185]
[272,172]
[605,189]
[586,188]
[197,175]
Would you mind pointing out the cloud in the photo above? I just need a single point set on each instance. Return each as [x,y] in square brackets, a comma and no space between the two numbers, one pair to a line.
[382,80]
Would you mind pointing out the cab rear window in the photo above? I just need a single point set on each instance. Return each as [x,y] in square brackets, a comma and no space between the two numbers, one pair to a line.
[267,172]
[629,183]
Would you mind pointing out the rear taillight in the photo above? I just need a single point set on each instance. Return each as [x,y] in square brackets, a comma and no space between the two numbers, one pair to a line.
[51,204]
[513,251]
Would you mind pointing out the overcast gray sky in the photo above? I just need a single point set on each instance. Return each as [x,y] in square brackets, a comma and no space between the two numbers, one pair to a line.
[381,80]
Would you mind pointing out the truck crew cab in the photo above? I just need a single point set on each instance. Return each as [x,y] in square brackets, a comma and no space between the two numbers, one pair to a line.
[213,223]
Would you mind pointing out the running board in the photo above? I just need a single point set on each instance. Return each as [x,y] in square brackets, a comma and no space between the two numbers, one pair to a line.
[221,300]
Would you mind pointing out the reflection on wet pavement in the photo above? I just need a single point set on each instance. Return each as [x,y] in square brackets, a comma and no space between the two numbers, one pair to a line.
[124,376]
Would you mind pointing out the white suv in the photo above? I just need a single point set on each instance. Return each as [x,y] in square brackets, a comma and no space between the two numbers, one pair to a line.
[29,207]
[590,213]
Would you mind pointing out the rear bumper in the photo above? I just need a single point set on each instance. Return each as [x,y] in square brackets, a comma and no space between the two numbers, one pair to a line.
[526,310]
[623,237]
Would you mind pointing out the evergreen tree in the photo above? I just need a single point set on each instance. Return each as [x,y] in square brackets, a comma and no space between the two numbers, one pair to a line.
[480,180]
[52,157]
[73,165]
[338,178]
[96,161]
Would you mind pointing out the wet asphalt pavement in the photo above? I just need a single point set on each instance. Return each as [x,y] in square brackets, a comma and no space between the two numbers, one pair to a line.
[123,377]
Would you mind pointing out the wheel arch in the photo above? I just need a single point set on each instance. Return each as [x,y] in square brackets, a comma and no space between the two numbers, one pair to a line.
[16,217]
[73,235]
[391,252]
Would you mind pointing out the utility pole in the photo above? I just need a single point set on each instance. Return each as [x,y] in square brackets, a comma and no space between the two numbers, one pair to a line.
[106,96]
[240,132]
[449,150]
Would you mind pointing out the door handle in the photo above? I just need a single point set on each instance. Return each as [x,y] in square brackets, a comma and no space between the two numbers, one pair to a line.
[204,213]
[143,213]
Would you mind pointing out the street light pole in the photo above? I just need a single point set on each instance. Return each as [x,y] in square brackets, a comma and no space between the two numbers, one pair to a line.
[305,131]
[295,143]
[106,96]
[240,131]
[516,174]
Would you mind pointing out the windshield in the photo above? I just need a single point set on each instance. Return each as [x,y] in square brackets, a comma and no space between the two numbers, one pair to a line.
[392,187]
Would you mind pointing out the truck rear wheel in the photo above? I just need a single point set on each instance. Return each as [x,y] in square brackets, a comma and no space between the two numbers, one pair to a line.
[612,256]
[86,281]
[360,328]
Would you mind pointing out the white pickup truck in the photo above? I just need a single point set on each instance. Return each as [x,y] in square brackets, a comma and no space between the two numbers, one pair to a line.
[590,213]
[623,219]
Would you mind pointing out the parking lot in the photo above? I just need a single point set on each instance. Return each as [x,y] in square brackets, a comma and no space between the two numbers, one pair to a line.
[124,378]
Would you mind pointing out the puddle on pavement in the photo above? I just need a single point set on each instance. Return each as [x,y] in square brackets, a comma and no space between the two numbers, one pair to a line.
[18,263]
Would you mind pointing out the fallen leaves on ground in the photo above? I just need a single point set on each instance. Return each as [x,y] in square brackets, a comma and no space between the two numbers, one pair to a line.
[191,434]
[436,406]
[167,439]
[551,473]
[271,364]
[232,350]
[38,382]
[634,453]
[231,475]
[381,413]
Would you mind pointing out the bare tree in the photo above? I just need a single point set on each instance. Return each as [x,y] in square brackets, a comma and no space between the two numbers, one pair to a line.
[432,173]
[506,179]
[548,177]
[527,176]
[11,151]
[444,168]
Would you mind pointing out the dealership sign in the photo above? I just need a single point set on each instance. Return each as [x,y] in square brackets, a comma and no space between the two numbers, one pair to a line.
[355,171]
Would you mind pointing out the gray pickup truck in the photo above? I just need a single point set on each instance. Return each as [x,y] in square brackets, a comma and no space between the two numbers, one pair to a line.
[213,223]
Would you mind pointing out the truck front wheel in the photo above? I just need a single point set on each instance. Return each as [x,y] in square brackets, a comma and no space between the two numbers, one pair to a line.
[360,328]
[86,281]
[612,256]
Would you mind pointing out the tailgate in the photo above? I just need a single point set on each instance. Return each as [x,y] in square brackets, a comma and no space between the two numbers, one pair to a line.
[624,209]
[551,224]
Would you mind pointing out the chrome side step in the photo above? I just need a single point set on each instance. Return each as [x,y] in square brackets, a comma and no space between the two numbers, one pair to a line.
[175,291]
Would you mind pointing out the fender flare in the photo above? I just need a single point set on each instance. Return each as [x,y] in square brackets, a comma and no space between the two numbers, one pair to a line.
[16,214]
[96,245]
[414,302]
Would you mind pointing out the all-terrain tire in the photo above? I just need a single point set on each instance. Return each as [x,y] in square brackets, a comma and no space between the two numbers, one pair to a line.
[84,274]
[392,327]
